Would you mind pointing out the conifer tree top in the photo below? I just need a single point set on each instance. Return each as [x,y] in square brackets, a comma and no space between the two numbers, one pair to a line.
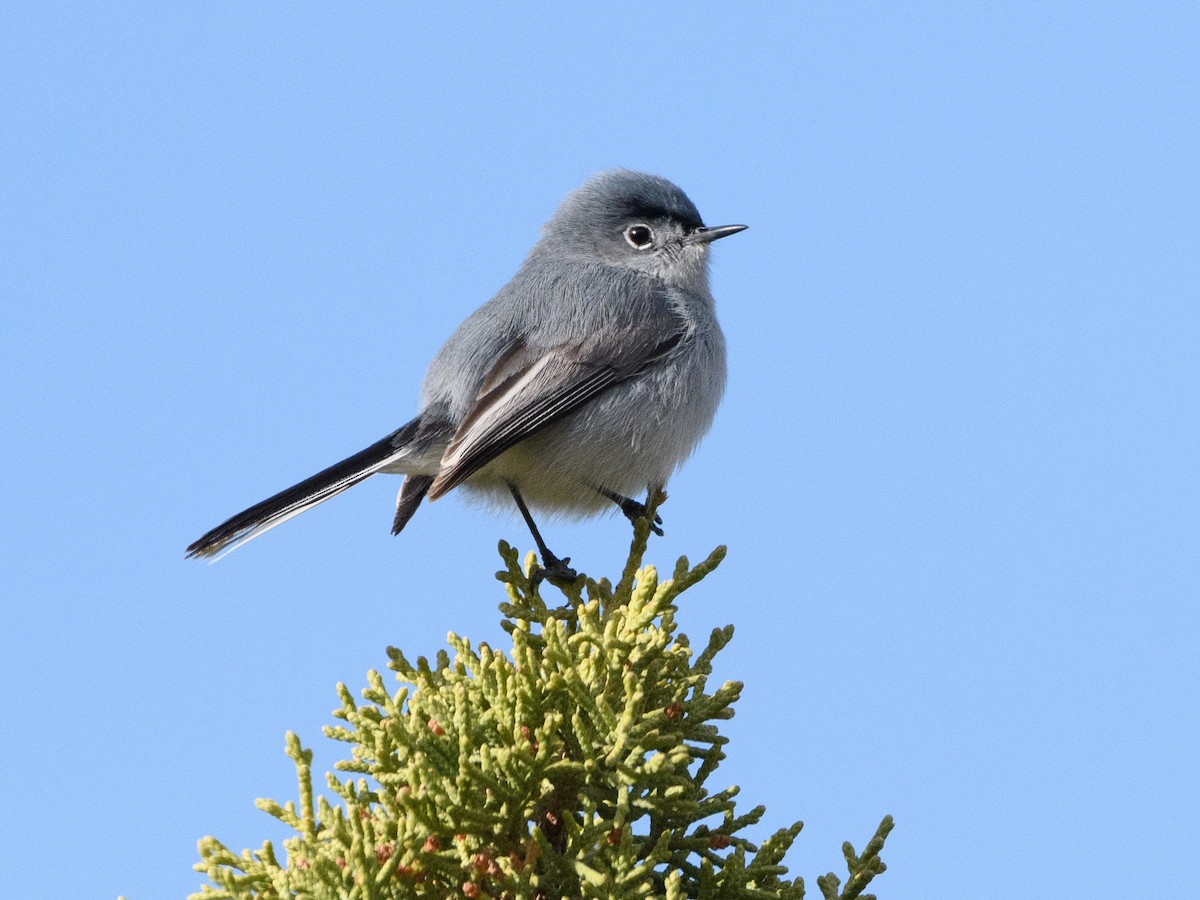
[577,763]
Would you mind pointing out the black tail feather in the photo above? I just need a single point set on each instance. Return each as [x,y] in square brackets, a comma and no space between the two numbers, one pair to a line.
[412,492]
[308,493]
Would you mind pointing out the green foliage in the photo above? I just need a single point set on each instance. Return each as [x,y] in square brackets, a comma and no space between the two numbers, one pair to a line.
[575,765]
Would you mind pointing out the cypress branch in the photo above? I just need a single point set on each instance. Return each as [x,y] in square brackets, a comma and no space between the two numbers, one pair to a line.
[571,765]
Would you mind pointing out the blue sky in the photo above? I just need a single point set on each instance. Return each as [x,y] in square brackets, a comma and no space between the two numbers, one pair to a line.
[956,465]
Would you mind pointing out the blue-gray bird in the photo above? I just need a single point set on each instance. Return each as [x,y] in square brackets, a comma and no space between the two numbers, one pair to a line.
[591,376]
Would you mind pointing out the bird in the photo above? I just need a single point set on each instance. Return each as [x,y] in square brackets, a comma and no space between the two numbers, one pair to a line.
[590,376]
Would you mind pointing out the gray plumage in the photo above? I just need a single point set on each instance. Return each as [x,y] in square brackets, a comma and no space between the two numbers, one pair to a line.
[589,377]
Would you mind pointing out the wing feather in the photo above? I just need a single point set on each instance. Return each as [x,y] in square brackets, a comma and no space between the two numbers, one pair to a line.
[534,390]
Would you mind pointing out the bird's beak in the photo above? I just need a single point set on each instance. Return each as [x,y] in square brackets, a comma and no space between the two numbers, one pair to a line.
[704,235]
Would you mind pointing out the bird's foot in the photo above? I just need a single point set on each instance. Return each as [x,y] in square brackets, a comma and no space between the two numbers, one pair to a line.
[555,570]
[634,510]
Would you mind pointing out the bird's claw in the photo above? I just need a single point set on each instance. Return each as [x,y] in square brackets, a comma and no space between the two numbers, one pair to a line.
[634,510]
[554,570]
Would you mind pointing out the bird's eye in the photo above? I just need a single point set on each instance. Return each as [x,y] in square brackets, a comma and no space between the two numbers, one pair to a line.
[639,236]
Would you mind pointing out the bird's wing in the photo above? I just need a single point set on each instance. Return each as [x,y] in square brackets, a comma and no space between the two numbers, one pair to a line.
[529,389]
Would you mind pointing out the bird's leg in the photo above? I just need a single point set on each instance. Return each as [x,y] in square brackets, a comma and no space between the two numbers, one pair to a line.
[632,509]
[552,568]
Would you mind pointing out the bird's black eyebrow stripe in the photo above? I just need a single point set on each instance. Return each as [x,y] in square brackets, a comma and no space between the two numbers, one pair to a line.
[646,211]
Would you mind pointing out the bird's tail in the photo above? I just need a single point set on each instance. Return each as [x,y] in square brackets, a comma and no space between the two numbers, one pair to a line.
[264,516]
